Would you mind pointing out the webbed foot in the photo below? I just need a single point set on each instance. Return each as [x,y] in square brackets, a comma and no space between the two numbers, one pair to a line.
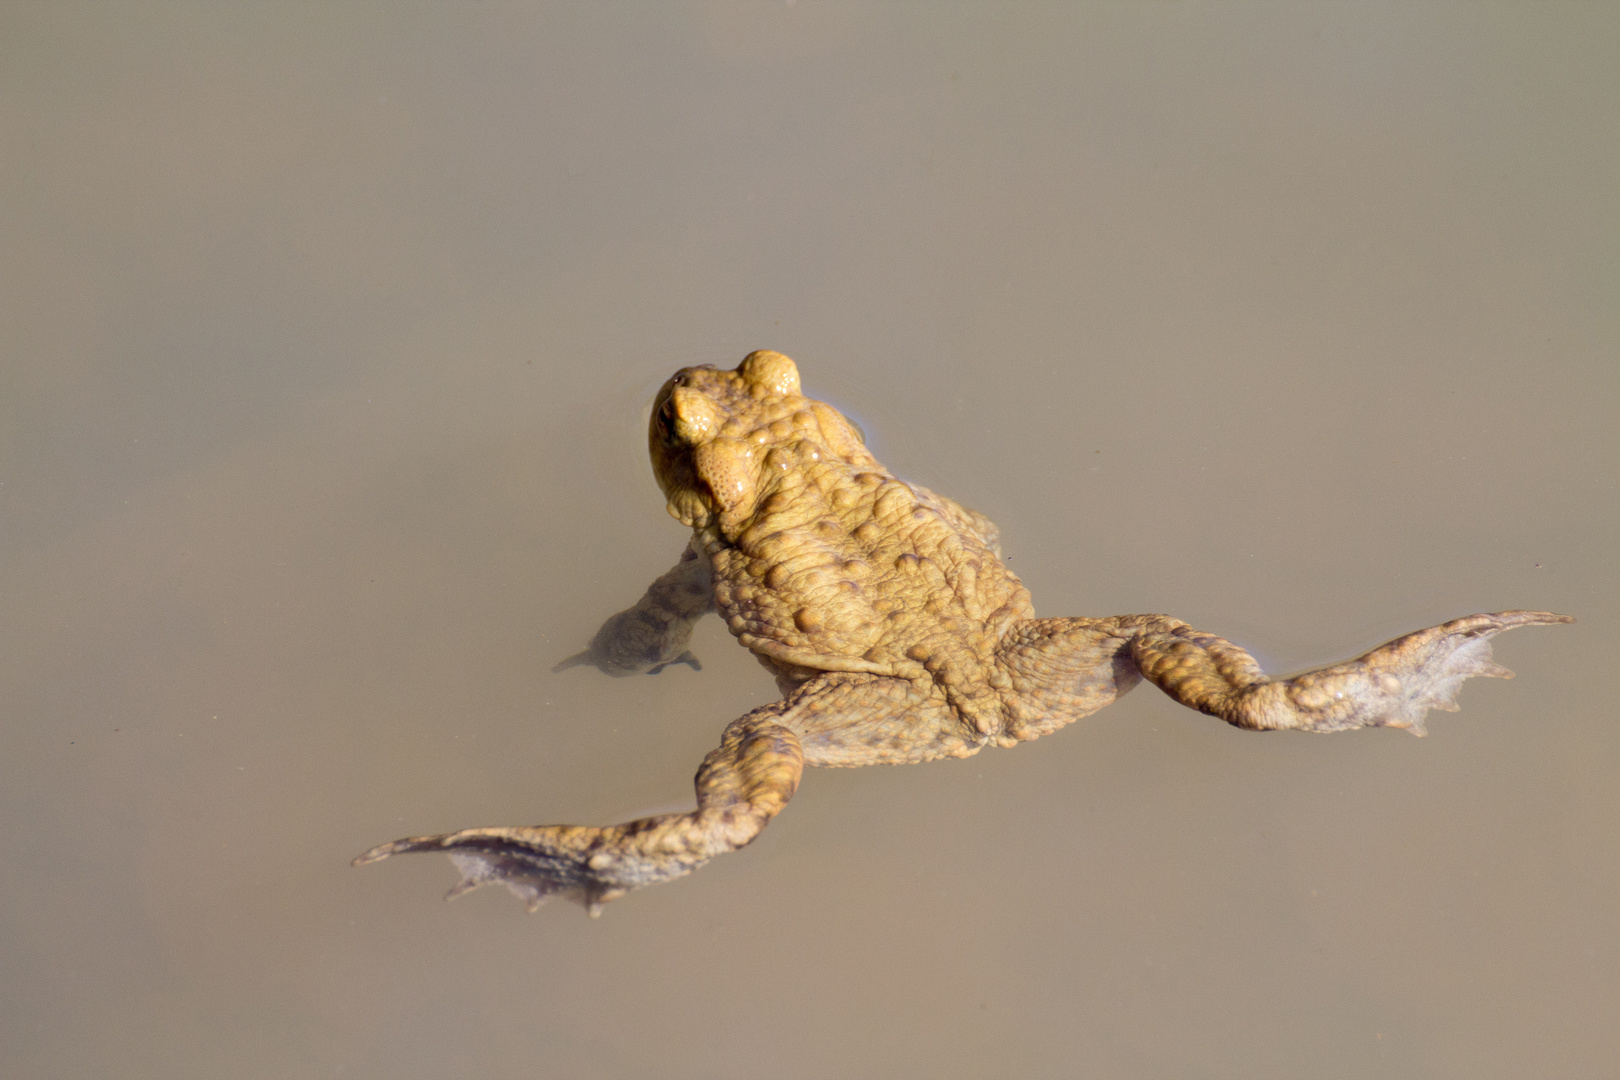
[741,785]
[577,863]
[1394,685]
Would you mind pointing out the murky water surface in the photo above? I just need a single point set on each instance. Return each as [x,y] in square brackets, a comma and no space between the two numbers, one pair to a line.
[329,336]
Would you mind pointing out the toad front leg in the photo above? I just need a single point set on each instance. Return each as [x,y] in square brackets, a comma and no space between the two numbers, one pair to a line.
[741,785]
[653,634]
[1062,669]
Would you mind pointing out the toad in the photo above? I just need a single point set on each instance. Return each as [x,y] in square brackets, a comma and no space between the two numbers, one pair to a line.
[895,633]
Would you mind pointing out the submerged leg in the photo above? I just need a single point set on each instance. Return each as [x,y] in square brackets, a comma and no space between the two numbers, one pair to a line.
[1063,668]
[741,785]
[653,634]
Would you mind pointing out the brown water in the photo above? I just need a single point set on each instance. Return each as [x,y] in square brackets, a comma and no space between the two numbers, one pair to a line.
[328,337]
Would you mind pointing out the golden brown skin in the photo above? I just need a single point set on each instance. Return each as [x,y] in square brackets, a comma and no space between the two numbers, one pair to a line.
[895,633]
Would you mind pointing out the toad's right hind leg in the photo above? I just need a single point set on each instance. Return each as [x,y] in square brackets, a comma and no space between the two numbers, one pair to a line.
[1394,685]
[1080,664]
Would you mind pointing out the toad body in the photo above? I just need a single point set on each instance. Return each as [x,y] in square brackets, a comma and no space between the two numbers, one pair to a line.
[895,634]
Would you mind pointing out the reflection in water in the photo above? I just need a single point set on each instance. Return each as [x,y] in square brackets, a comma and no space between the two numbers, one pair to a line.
[328,334]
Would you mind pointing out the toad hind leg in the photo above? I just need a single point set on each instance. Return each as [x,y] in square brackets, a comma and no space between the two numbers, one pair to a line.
[1394,685]
[741,785]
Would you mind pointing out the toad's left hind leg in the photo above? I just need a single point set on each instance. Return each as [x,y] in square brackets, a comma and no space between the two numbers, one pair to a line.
[741,785]
[1065,667]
